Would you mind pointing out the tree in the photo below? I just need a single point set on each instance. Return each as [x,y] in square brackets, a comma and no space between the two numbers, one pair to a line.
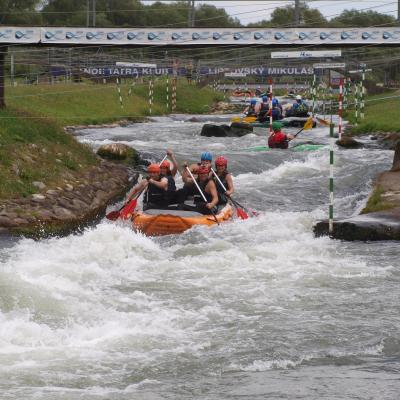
[361,18]
[207,16]
[19,12]
[283,17]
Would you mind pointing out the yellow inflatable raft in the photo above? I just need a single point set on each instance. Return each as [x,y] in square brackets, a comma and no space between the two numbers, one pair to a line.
[166,222]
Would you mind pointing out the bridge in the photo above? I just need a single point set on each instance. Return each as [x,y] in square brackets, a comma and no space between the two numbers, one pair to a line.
[191,37]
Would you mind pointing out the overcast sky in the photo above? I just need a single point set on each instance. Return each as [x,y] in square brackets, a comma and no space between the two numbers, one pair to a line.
[253,11]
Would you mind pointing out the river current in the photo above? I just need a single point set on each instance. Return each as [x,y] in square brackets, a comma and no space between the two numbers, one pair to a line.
[255,309]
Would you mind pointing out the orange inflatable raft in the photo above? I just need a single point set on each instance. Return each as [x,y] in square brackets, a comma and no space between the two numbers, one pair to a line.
[167,222]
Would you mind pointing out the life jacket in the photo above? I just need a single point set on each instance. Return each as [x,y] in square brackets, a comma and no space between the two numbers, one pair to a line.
[278,140]
[300,108]
[276,113]
[171,183]
[197,197]
[221,196]
[169,194]
[154,195]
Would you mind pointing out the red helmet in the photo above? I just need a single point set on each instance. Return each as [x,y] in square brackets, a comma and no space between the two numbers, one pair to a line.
[153,168]
[221,161]
[203,169]
[165,164]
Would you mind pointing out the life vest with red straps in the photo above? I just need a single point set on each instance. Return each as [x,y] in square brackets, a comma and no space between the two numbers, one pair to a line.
[278,140]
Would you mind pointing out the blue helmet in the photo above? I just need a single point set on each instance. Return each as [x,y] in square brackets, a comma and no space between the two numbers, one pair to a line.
[253,102]
[265,99]
[274,102]
[206,156]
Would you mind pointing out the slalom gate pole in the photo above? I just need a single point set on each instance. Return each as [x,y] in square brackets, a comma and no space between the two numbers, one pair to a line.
[331,160]
[151,95]
[119,93]
[314,92]
[362,102]
[131,87]
[173,99]
[340,108]
[356,105]
[167,98]
[348,90]
[270,105]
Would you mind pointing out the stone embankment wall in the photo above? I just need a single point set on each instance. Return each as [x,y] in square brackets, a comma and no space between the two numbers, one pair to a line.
[68,206]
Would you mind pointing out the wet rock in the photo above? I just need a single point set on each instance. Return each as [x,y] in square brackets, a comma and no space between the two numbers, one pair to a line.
[396,158]
[45,215]
[39,185]
[389,140]
[193,119]
[38,197]
[349,143]
[241,126]
[373,226]
[211,130]
[116,151]
[374,137]
[7,222]
[61,210]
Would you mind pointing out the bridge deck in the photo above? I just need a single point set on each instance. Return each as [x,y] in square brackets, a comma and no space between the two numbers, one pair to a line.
[200,36]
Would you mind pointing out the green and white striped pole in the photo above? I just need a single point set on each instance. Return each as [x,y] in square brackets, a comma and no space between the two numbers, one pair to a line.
[362,102]
[356,105]
[331,159]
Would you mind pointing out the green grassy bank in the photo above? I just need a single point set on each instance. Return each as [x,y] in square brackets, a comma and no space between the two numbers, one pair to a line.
[91,103]
[34,146]
[381,114]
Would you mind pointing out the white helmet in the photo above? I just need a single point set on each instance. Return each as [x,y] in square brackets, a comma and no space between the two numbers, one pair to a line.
[298,97]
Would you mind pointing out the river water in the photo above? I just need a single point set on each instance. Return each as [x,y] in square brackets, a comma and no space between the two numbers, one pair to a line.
[255,309]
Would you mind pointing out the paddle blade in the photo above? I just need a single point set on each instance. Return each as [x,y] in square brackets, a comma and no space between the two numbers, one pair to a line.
[128,210]
[323,121]
[113,215]
[249,119]
[308,124]
[241,213]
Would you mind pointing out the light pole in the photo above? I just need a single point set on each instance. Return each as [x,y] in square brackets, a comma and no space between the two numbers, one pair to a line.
[94,13]
[87,12]
[297,12]
[191,11]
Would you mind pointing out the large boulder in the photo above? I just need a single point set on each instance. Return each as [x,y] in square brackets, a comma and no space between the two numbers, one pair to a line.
[211,130]
[119,152]
[389,140]
[396,158]
[349,143]
[383,225]
[237,129]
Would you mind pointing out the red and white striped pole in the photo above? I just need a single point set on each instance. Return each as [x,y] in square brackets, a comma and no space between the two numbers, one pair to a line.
[340,108]
[270,106]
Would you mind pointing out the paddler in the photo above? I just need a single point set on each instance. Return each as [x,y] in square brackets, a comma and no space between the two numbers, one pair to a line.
[221,165]
[157,190]
[250,110]
[300,108]
[277,139]
[205,159]
[165,166]
[208,188]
